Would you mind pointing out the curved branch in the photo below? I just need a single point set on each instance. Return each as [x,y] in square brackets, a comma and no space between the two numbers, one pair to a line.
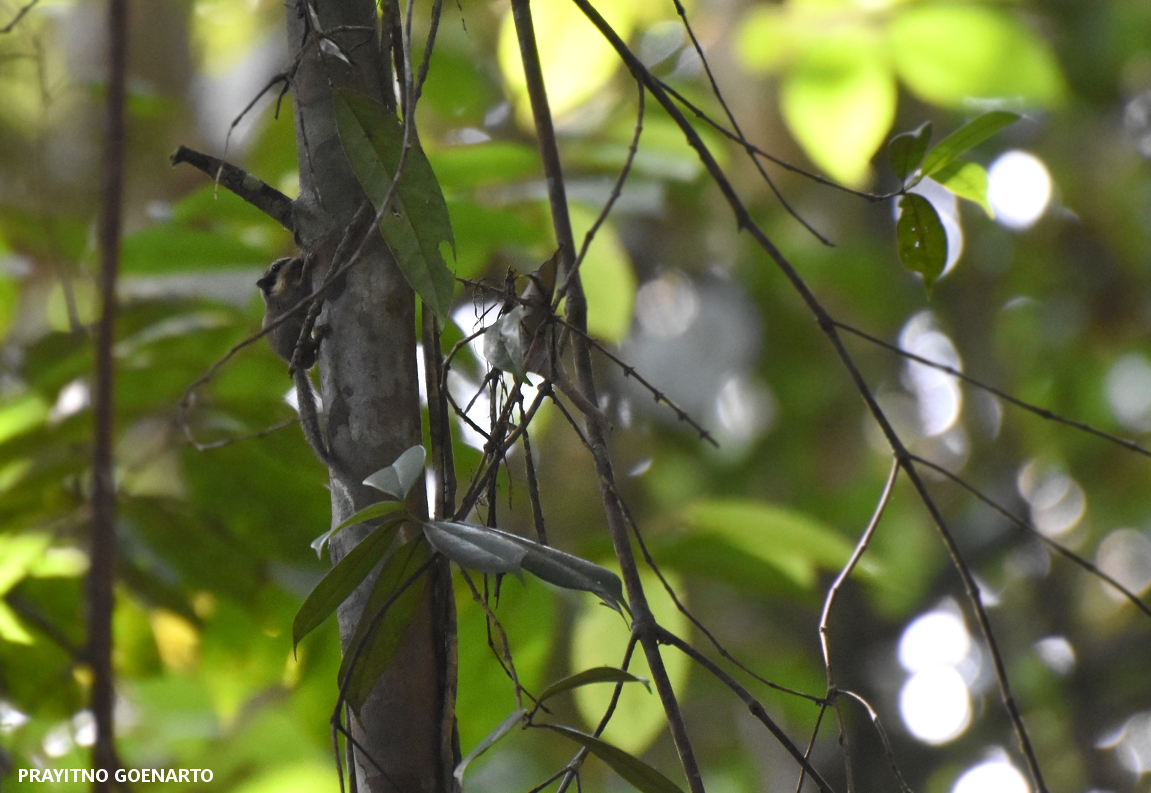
[262,196]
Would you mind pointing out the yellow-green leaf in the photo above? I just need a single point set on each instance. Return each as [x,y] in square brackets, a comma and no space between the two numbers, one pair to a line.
[947,54]
[967,180]
[599,638]
[838,100]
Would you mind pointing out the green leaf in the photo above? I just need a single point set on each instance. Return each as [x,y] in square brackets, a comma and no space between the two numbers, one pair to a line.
[599,674]
[500,731]
[920,237]
[633,770]
[384,621]
[948,53]
[342,579]
[397,479]
[608,278]
[379,509]
[905,151]
[966,138]
[838,100]
[793,542]
[967,180]
[600,638]
[475,547]
[493,551]
[416,223]
[169,248]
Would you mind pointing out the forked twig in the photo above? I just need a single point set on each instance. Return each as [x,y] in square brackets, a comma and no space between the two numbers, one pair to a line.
[828,326]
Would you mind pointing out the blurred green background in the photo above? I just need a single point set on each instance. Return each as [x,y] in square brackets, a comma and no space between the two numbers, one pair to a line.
[1048,301]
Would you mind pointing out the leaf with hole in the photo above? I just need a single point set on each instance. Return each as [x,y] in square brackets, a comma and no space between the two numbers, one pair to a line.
[920,238]
[397,479]
[599,674]
[415,223]
[342,579]
[384,621]
[966,138]
[633,770]
[968,180]
[905,151]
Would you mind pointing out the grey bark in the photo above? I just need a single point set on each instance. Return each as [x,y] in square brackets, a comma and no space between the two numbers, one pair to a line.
[371,398]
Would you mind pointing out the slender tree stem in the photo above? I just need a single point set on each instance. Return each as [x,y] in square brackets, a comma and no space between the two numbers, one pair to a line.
[101,579]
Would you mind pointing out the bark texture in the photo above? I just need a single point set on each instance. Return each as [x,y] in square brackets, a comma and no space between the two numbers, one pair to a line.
[368,374]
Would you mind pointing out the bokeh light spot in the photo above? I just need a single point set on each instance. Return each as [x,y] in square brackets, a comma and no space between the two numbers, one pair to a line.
[935,705]
[1018,189]
[938,638]
[993,776]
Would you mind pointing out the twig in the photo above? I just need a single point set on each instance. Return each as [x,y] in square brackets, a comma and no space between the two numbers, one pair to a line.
[262,196]
[856,555]
[739,136]
[1059,548]
[1038,411]
[616,190]
[19,15]
[827,325]
[753,704]
[751,148]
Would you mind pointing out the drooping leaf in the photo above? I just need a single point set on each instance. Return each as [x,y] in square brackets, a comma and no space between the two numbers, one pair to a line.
[504,342]
[370,512]
[967,180]
[384,621]
[416,223]
[965,138]
[905,151]
[475,547]
[342,579]
[397,479]
[500,731]
[571,572]
[633,770]
[599,674]
[493,551]
[920,238]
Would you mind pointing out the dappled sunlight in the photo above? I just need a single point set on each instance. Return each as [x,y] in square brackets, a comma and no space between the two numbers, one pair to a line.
[998,775]
[1019,189]
[1125,555]
[1056,500]
[937,392]
[1131,744]
[935,701]
[1128,386]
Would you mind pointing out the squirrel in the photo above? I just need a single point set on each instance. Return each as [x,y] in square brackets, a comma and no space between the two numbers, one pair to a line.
[284,284]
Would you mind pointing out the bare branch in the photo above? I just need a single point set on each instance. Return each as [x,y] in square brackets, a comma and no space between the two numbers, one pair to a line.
[262,196]
[19,15]
[1038,411]
[1059,548]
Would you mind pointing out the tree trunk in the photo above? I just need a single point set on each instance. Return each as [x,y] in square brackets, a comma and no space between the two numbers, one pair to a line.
[404,734]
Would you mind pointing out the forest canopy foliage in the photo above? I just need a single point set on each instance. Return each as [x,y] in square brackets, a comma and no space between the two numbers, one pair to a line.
[1035,284]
